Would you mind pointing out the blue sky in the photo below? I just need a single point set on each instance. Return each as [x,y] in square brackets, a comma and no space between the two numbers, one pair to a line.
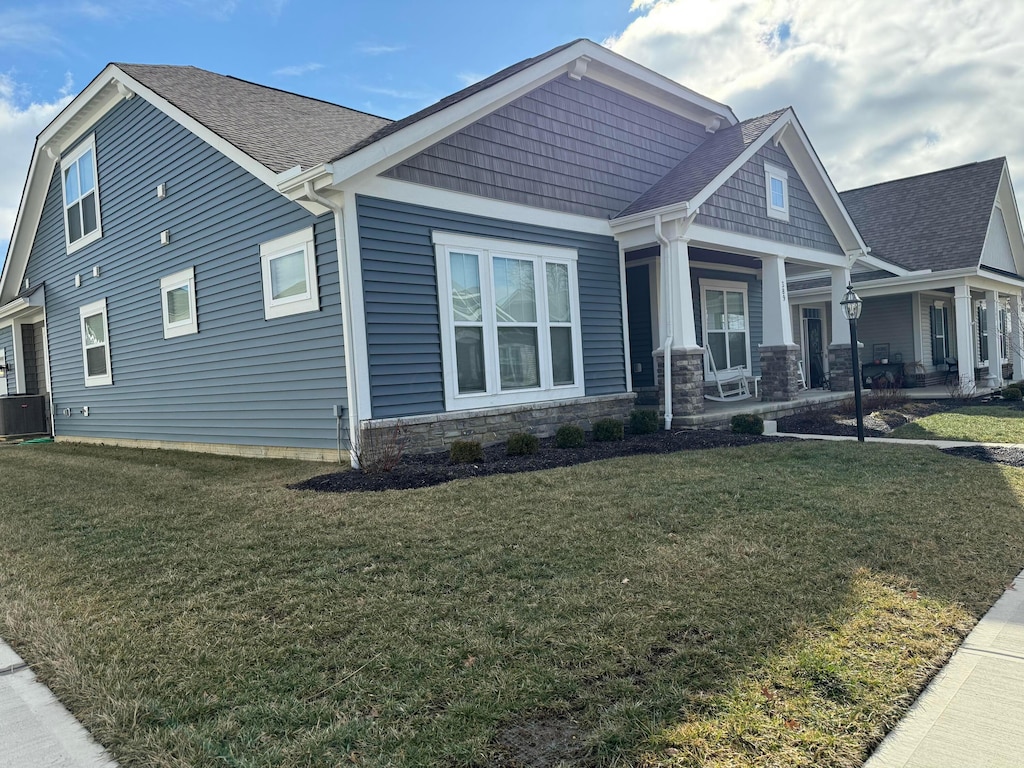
[883,89]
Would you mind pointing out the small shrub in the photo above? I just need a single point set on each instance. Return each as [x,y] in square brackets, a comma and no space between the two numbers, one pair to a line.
[380,451]
[522,444]
[569,436]
[1011,393]
[747,424]
[607,430]
[643,422]
[466,452]
[885,399]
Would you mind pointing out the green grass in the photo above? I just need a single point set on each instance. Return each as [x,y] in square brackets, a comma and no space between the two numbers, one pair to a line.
[767,606]
[978,424]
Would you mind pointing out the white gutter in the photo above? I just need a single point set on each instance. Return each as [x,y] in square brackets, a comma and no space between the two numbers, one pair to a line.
[346,318]
[666,286]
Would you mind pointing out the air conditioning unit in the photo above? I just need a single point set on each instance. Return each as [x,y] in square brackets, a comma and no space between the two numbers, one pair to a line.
[23,415]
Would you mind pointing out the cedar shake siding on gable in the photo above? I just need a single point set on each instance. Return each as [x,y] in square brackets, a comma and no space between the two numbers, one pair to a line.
[242,379]
[401,301]
[572,146]
[740,205]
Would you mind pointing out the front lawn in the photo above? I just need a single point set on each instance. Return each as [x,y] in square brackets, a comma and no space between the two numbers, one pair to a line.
[978,424]
[775,605]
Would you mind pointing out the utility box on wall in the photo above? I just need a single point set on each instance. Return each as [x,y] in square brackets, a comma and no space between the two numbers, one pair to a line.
[23,415]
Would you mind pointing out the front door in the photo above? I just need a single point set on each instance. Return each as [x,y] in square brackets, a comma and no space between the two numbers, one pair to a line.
[815,353]
[641,334]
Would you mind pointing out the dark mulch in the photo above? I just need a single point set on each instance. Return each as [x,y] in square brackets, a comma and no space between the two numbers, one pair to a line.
[878,421]
[1012,457]
[435,468]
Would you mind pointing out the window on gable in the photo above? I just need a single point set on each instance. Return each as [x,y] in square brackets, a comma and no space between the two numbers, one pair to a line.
[726,327]
[289,275]
[939,316]
[178,299]
[777,191]
[95,345]
[510,321]
[81,196]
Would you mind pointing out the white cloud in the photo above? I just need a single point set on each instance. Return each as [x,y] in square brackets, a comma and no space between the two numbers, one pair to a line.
[297,70]
[377,50]
[19,126]
[469,78]
[883,89]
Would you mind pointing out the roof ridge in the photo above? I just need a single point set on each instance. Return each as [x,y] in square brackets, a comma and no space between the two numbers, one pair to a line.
[253,83]
[927,173]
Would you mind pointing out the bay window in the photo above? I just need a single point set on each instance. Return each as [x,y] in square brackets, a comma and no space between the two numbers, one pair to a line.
[510,322]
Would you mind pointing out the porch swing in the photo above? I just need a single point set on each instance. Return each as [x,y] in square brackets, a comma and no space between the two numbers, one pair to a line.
[731,383]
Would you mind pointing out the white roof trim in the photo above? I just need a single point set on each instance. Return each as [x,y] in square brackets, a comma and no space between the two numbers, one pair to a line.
[605,66]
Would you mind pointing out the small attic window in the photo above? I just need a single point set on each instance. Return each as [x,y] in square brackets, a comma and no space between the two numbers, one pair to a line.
[776,182]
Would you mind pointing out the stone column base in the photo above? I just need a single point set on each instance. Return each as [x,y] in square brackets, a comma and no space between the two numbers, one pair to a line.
[840,366]
[687,381]
[780,378]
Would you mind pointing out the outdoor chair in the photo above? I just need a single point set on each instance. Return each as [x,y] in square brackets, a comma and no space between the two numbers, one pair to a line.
[730,383]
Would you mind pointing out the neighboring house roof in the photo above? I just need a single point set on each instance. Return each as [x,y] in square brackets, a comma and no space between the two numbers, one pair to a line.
[935,221]
[698,169]
[276,128]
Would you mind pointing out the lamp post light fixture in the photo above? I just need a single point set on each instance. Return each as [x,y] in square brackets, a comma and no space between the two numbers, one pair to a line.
[852,306]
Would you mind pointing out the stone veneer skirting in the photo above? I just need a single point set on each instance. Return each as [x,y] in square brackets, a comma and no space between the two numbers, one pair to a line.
[436,431]
[779,372]
[840,366]
[222,449]
[687,381]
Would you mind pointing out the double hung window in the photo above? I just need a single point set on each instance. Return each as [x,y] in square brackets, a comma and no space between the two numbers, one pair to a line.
[81,196]
[510,321]
[939,316]
[95,344]
[726,323]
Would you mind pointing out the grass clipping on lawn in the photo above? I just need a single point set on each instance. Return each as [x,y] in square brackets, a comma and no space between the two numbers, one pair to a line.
[766,606]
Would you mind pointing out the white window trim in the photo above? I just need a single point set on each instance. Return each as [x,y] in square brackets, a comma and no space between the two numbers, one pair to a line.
[282,246]
[774,172]
[96,308]
[487,248]
[184,279]
[96,234]
[724,285]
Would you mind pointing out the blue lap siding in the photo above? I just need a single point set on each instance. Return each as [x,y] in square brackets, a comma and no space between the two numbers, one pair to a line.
[401,301]
[242,379]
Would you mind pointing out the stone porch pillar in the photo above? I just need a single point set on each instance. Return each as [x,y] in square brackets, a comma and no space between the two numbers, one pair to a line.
[964,337]
[779,355]
[686,374]
[994,378]
[1016,337]
[840,358]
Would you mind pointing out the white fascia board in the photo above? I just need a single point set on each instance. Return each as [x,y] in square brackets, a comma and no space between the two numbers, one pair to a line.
[823,191]
[430,197]
[748,245]
[408,141]
[33,196]
[13,308]
[1011,217]
[922,281]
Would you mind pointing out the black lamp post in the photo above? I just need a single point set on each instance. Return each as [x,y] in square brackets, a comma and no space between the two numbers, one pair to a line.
[852,305]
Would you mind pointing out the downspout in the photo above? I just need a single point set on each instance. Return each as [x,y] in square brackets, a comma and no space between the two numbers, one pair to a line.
[666,266]
[346,317]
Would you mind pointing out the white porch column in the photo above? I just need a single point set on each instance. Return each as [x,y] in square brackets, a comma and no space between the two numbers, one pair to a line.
[995,362]
[964,337]
[1016,337]
[777,318]
[839,326]
[676,273]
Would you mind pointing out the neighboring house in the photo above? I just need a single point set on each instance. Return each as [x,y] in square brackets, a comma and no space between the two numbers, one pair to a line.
[955,316]
[199,261]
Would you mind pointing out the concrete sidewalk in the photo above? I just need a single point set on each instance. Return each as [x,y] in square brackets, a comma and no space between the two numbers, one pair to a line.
[972,713]
[35,729]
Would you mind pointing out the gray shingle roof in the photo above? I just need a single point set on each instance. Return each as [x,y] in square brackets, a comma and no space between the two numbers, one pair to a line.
[454,98]
[935,221]
[698,169]
[276,128]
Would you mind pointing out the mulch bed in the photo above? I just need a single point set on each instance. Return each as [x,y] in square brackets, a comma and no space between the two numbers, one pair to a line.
[435,468]
[1011,457]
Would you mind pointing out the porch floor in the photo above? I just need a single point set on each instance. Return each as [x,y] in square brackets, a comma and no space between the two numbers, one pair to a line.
[718,414]
[942,392]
